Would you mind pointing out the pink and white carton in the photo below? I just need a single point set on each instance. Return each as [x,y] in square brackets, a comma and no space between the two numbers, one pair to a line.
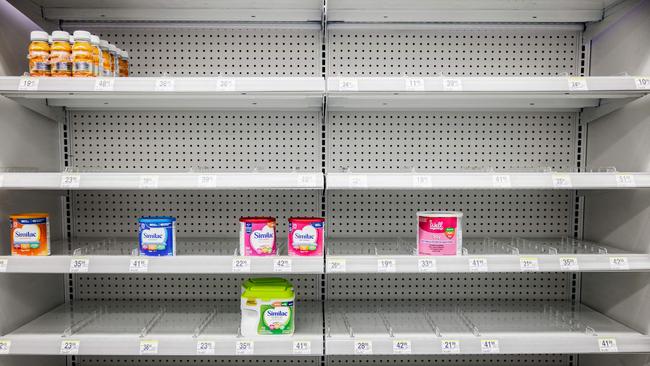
[439,233]
[257,236]
[306,236]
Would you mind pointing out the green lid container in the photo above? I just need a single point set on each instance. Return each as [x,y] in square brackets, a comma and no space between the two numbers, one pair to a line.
[267,288]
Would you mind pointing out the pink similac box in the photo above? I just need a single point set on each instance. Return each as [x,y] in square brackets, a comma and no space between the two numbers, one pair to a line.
[306,236]
[257,236]
[439,233]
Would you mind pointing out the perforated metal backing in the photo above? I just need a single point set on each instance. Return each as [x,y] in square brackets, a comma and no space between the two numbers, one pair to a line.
[174,141]
[463,50]
[391,141]
[210,50]
[208,361]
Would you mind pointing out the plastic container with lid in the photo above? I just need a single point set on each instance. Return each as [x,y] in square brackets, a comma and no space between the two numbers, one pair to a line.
[439,233]
[82,55]
[107,61]
[97,55]
[268,307]
[124,64]
[39,54]
[61,54]
[157,235]
[257,236]
[112,49]
[306,236]
[30,234]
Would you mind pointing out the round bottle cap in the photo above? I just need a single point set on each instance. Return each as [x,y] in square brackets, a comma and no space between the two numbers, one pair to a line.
[71,39]
[103,44]
[81,36]
[125,55]
[112,48]
[60,36]
[49,39]
[39,36]
[94,40]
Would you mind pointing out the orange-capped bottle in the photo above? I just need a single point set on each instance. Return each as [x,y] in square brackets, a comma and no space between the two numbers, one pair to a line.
[107,61]
[82,55]
[61,54]
[39,54]
[97,55]
[124,64]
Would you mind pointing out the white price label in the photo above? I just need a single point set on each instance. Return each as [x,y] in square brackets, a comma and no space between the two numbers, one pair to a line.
[452,85]
[2,180]
[489,346]
[70,347]
[607,345]
[5,346]
[450,346]
[244,348]
[282,265]
[79,265]
[561,181]
[478,265]
[301,347]
[70,181]
[28,84]
[402,347]
[139,265]
[307,180]
[426,265]
[336,265]
[386,265]
[414,84]
[148,347]
[226,85]
[358,181]
[527,264]
[104,84]
[625,180]
[569,264]
[207,181]
[619,263]
[3,265]
[165,85]
[642,82]
[422,181]
[148,182]
[241,265]
[205,347]
[348,84]
[363,347]
[578,84]
[501,181]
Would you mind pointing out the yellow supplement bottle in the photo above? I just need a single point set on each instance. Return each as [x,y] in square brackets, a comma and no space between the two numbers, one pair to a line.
[107,63]
[97,55]
[82,55]
[124,64]
[60,54]
[39,54]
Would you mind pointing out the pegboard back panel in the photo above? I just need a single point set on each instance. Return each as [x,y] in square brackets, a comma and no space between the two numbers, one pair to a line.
[106,214]
[202,360]
[392,214]
[175,141]
[211,50]
[555,286]
[476,360]
[445,141]
[460,50]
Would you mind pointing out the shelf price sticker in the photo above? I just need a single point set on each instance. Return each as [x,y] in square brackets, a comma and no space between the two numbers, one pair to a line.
[625,180]
[348,84]
[139,265]
[148,182]
[422,181]
[3,265]
[70,347]
[362,347]
[148,347]
[244,348]
[642,82]
[5,346]
[164,85]
[501,181]
[561,181]
[569,264]
[358,181]
[207,181]
[618,263]
[104,84]
[307,180]
[30,84]
[2,180]
[528,264]
[427,265]
[336,265]
[578,84]
[414,84]
[301,347]
[282,265]
[205,348]
[402,347]
[450,346]
[489,346]
[70,180]
[386,265]
[79,265]
[452,85]
[226,85]
[241,265]
[607,345]
[478,265]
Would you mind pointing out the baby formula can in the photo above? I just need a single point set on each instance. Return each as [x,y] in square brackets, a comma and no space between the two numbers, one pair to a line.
[306,236]
[157,235]
[30,234]
[267,306]
[39,54]
[257,236]
[439,233]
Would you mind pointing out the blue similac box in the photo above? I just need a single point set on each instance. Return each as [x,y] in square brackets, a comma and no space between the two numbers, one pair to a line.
[157,235]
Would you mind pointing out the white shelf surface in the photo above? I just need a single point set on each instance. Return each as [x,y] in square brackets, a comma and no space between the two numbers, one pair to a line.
[526,328]
[480,93]
[202,256]
[490,180]
[120,328]
[167,181]
[480,255]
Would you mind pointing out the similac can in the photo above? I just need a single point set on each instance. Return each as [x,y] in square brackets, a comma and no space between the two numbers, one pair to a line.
[439,233]
[157,235]
[306,236]
[30,234]
[257,236]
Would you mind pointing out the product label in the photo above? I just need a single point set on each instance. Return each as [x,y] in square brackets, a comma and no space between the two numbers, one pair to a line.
[82,66]
[437,235]
[276,318]
[306,238]
[259,238]
[36,66]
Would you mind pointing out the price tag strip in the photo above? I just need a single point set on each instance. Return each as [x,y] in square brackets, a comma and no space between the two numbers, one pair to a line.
[4,263]
[30,84]
[561,181]
[414,84]
[70,180]
[528,264]
[427,265]
[306,180]
[207,181]
[489,346]
[244,348]
[358,181]
[226,85]
[478,264]
[501,181]
[402,347]
[70,347]
[282,265]
[422,181]
[79,265]
[241,265]
[642,82]
[569,264]
[619,263]
[452,85]
[362,347]
[148,181]
[139,265]
[104,84]
[336,265]
[625,180]
[301,347]
[5,346]
[205,348]
[386,265]
[450,346]
[165,85]
[149,347]
[578,84]
[607,345]
[348,84]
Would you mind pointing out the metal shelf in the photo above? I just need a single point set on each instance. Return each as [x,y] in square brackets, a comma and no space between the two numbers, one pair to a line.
[480,255]
[204,256]
[489,180]
[474,328]
[159,328]
[166,181]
